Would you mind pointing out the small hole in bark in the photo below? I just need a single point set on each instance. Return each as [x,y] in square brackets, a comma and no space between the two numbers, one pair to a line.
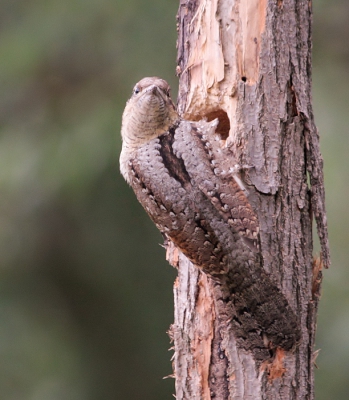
[223,127]
[244,79]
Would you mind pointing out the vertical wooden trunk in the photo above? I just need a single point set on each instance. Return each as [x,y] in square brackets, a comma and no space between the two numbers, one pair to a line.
[248,63]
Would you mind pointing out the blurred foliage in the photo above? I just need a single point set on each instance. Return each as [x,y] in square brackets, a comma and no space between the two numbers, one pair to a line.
[331,105]
[85,292]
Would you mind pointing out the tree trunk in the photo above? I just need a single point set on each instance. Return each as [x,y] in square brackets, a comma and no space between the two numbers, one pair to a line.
[248,63]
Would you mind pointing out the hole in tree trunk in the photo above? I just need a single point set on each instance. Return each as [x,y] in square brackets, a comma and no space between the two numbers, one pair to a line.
[223,125]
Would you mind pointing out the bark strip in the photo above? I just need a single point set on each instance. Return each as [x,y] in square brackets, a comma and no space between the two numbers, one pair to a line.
[249,64]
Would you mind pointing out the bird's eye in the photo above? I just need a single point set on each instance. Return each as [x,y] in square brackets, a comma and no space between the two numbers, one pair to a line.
[136,90]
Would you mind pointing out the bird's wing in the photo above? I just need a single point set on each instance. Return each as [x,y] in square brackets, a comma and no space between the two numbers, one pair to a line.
[203,161]
[180,211]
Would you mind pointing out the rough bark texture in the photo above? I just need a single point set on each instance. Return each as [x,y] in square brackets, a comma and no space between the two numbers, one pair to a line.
[248,63]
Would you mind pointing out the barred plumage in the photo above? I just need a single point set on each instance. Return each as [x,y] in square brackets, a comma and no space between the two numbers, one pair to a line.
[178,172]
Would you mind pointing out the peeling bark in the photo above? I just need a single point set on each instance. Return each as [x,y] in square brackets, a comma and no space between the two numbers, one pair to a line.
[249,64]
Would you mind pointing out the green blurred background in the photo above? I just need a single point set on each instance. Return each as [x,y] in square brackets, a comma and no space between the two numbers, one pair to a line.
[85,292]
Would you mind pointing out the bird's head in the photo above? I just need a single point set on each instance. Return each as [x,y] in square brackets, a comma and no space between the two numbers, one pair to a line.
[148,113]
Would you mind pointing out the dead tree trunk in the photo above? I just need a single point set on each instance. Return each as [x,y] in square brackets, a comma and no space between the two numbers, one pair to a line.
[248,63]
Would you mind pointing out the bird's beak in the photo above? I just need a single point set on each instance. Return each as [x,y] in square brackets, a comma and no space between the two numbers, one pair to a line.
[153,89]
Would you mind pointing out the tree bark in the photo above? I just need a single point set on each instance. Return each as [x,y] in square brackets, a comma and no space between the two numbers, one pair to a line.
[248,63]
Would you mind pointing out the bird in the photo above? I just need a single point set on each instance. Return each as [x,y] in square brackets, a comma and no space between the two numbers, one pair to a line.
[184,179]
